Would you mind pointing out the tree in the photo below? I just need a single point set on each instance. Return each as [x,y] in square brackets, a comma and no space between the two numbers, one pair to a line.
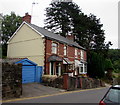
[10,24]
[89,32]
[59,17]
[67,18]
[96,65]
[114,56]
[108,64]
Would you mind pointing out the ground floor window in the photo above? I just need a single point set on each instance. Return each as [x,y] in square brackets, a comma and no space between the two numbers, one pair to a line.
[83,68]
[55,68]
[67,68]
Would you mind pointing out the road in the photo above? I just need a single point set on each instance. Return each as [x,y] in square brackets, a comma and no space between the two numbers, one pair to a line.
[78,96]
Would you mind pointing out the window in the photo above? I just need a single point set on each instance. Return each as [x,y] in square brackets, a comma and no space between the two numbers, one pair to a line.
[55,68]
[83,68]
[65,50]
[54,48]
[76,53]
[82,54]
[70,67]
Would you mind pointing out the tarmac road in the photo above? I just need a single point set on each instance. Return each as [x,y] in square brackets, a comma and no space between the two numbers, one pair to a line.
[78,96]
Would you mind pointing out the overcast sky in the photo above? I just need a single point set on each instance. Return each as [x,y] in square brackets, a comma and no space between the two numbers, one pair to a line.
[106,10]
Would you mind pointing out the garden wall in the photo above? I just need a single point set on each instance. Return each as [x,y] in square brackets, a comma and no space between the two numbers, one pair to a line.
[11,80]
[116,81]
[72,83]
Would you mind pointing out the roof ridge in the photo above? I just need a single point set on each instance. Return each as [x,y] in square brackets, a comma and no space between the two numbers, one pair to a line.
[54,36]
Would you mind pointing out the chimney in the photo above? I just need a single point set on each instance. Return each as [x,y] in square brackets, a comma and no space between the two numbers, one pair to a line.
[27,18]
[70,37]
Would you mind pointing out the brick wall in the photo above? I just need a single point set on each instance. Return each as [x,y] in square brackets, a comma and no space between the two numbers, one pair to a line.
[61,49]
[71,52]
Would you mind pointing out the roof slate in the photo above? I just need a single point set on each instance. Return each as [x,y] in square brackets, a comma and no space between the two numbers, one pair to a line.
[56,37]
[11,60]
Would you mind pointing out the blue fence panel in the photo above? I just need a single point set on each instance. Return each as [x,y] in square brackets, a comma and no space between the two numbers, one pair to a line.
[39,72]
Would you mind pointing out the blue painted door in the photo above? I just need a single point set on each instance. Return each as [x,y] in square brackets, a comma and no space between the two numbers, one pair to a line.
[39,72]
[28,74]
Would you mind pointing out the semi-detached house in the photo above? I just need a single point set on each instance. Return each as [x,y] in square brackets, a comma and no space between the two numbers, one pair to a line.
[55,53]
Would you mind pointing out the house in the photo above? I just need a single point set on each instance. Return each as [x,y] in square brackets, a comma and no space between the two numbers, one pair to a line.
[55,53]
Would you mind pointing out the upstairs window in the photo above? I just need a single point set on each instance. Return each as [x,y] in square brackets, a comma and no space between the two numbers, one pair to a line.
[54,48]
[76,52]
[82,54]
[65,50]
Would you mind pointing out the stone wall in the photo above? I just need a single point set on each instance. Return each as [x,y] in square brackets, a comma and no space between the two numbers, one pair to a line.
[83,83]
[87,83]
[71,83]
[116,81]
[11,80]
[53,81]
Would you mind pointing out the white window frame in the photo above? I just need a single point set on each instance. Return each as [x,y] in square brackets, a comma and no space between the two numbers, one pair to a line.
[54,48]
[50,69]
[54,72]
[76,52]
[84,71]
[65,50]
[82,54]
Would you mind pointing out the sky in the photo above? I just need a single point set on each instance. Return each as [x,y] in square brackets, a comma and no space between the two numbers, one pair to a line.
[106,10]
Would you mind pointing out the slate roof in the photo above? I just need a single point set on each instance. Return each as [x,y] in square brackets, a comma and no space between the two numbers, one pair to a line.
[11,60]
[56,37]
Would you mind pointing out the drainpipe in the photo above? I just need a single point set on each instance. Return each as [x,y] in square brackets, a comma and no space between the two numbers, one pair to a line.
[45,56]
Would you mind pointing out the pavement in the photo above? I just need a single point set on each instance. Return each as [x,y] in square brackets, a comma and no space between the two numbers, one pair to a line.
[36,89]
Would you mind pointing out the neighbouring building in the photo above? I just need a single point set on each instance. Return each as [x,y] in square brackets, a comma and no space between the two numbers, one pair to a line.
[55,53]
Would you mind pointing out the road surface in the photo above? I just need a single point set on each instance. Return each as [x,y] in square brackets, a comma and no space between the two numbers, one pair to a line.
[78,96]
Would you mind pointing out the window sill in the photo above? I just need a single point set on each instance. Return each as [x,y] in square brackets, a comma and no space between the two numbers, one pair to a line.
[83,72]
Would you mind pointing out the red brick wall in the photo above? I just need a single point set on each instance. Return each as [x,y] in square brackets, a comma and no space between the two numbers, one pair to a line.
[48,46]
[61,49]
[70,51]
